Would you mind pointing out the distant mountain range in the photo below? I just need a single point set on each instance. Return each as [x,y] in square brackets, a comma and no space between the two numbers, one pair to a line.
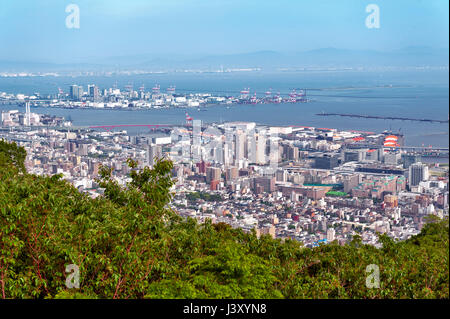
[266,60]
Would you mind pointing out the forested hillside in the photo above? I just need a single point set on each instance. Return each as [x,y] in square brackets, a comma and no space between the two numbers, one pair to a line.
[129,244]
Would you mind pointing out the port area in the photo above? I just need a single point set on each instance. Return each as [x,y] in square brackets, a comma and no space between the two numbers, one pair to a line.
[131,99]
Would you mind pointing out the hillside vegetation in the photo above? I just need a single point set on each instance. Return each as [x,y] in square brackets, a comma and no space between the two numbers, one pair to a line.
[129,244]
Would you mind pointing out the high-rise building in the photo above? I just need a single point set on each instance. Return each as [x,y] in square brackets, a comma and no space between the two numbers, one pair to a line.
[94,168]
[231,173]
[76,92]
[94,92]
[281,175]
[27,114]
[73,91]
[70,147]
[418,172]
[82,149]
[409,159]
[202,167]
[290,152]
[264,184]
[213,174]
[260,149]
[240,141]
[154,152]
[180,175]
[6,118]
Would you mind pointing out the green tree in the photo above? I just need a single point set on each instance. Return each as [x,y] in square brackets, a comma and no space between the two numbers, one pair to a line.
[128,243]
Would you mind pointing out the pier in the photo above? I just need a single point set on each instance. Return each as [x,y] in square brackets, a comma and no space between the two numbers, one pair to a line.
[383,117]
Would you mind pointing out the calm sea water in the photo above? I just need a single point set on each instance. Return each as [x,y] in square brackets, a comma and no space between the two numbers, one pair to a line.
[414,94]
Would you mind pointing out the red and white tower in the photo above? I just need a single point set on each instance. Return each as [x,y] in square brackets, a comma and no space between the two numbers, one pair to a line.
[188,119]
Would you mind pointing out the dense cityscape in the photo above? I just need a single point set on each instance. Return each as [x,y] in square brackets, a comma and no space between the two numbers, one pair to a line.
[314,185]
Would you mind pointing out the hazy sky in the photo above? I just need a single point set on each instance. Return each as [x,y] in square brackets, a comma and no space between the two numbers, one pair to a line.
[36,29]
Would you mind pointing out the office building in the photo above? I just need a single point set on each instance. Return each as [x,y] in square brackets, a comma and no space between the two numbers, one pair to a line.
[418,172]
[154,152]
[327,161]
[76,92]
[213,174]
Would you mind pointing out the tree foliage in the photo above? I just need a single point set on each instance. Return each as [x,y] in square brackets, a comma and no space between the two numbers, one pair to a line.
[13,156]
[129,244]
[204,196]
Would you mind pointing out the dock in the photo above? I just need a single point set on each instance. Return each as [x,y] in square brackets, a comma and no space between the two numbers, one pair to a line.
[383,117]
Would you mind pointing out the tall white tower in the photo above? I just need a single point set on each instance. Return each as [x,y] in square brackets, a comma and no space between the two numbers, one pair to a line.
[27,114]
[261,148]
